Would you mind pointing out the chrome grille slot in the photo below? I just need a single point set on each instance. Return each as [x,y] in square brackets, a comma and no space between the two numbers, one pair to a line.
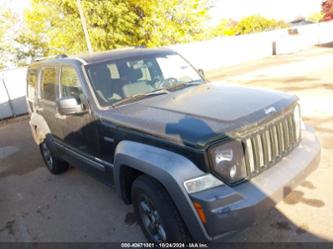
[286,134]
[267,146]
[249,155]
[281,138]
[255,152]
[275,142]
[260,151]
[291,128]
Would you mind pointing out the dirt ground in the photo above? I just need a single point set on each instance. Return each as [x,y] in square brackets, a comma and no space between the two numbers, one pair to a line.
[38,206]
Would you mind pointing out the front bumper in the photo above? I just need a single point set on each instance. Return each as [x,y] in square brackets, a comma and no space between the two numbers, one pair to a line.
[230,209]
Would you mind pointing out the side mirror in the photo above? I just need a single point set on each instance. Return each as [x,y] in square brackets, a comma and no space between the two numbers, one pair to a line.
[69,106]
[202,73]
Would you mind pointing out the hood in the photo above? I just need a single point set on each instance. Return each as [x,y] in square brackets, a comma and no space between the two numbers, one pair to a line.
[198,115]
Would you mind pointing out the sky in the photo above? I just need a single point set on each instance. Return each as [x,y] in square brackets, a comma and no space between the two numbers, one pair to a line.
[17,6]
[287,10]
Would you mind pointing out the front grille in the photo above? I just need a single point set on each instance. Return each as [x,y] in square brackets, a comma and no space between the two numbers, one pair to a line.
[265,147]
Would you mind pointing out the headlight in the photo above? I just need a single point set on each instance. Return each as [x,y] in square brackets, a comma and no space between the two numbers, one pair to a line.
[298,121]
[228,161]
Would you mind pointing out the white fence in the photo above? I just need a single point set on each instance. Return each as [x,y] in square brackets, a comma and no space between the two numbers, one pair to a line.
[12,93]
[228,51]
[208,55]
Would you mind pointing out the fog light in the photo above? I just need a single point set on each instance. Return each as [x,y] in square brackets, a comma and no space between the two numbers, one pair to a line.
[233,171]
[201,183]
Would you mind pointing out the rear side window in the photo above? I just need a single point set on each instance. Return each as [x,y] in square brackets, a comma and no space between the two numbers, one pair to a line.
[48,85]
[32,82]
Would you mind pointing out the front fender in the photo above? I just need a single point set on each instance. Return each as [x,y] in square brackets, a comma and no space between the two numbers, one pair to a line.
[170,169]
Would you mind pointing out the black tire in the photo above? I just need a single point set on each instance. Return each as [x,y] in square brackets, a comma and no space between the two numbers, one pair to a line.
[157,214]
[52,162]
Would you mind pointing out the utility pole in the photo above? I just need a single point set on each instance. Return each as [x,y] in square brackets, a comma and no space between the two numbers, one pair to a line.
[84,26]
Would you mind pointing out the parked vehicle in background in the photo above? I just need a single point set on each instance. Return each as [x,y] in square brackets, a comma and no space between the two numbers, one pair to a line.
[197,160]
[300,22]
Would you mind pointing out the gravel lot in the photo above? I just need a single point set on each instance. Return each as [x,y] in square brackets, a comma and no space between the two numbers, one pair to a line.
[37,206]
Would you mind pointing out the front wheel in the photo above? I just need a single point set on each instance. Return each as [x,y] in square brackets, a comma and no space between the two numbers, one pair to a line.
[52,162]
[157,215]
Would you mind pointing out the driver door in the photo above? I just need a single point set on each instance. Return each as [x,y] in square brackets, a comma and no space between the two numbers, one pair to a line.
[80,132]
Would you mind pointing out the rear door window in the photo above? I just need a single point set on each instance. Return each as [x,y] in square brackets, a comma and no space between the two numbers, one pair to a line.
[48,84]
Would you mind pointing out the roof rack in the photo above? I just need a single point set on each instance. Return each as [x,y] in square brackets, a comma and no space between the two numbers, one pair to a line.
[59,56]
[39,59]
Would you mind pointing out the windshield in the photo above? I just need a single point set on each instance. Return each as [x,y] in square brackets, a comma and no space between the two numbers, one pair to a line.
[117,80]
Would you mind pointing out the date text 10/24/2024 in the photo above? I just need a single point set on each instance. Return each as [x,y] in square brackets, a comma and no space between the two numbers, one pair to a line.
[163,245]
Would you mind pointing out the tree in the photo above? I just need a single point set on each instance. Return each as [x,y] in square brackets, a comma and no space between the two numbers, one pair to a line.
[315,17]
[224,28]
[53,26]
[252,24]
[8,20]
[327,9]
[164,22]
[247,25]
[28,46]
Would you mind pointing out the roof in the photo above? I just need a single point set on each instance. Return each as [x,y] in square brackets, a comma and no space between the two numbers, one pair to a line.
[115,54]
[121,54]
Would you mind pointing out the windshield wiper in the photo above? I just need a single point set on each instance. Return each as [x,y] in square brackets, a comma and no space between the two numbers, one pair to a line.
[140,96]
[185,84]
[157,92]
[194,82]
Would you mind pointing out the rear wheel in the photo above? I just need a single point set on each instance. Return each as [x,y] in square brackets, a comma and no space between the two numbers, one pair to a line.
[52,162]
[156,212]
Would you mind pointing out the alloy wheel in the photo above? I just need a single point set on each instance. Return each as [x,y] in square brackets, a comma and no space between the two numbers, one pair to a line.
[151,220]
[47,155]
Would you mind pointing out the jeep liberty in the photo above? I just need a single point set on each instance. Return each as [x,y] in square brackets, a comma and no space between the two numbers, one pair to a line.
[198,160]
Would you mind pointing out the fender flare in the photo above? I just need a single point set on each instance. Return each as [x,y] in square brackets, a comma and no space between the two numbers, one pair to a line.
[167,167]
[39,127]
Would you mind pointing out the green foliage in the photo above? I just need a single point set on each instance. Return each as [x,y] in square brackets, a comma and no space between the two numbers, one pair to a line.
[315,17]
[247,25]
[29,45]
[224,28]
[53,26]
[7,20]
[252,24]
[164,22]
